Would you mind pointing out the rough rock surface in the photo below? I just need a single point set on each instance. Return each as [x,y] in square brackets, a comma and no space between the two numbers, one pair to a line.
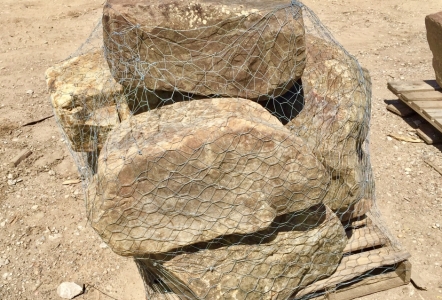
[193,171]
[334,121]
[85,97]
[271,264]
[433,24]
[229,48]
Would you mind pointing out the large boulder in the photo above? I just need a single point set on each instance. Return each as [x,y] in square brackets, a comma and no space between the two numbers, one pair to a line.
[193,171]
[271,264]
[335,120]
[85,98]
[433,24]
[205,47]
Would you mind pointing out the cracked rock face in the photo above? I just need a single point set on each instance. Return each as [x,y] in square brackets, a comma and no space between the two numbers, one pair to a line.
[229,48]
[193,171]
[84,97]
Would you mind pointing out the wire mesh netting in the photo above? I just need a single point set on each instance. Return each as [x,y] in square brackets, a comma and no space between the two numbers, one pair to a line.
[222,145]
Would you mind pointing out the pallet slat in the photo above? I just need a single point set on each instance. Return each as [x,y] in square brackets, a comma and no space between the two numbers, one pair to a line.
[399,87]
[433,113]
[429,134]
[355,265]
[423,108]
[425,104]
[399,108]
[370,285]
[370,264]
[422,96]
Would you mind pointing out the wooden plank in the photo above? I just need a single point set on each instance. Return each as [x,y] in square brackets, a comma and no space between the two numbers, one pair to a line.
[429,134]
[363,238]
[355,265]
[433,113]
[438,122]
[401,109]
[422,96]
[372,284]
[433,110]
[22,155]
[398,87]
[427,104]
[421,106]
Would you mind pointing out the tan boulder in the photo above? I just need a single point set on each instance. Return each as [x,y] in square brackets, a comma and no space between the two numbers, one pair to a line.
[300,249]
[84,96]
[335,121]
[433,24]
[205,47]
[193,171]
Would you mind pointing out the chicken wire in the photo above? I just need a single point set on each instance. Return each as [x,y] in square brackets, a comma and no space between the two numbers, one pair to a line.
[229,157]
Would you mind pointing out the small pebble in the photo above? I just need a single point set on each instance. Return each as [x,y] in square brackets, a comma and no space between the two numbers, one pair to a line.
[53,237]
[69,290]
[40,240]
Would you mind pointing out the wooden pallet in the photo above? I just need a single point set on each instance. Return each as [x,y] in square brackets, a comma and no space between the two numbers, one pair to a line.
[424,97]
[371,264]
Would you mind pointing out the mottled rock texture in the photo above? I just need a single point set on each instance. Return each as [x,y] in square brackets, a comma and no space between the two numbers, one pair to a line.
[271,264]
[335,120]
[193,171]
[248,49]
[84,96]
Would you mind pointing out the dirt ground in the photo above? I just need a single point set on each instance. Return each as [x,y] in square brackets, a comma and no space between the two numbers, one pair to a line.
[44,235]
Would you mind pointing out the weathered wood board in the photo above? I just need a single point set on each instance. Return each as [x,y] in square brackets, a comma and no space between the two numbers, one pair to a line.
[371,264]
[424,97]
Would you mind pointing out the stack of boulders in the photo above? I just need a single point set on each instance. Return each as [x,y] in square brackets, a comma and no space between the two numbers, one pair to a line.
[219,198]
[434,36]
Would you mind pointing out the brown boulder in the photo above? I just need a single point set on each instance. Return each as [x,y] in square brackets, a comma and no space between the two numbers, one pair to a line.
[433,23]
[85,97]
[205,47]
[193,171]
[270,264]
[335,121]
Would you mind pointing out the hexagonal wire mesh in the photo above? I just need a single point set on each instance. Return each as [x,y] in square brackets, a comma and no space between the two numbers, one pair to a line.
[225,148]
